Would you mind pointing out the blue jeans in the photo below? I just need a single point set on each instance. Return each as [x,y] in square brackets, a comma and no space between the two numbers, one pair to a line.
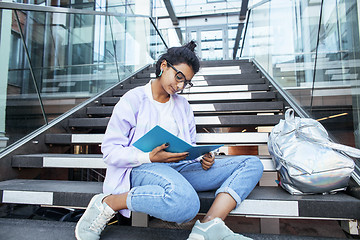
[168,190]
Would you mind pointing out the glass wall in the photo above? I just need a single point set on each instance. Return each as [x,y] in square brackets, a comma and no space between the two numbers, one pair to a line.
[212,24]
[52,61]
[191,7]
[312,51]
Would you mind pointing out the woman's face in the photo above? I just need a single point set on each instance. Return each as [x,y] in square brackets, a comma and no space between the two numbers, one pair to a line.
[168,78]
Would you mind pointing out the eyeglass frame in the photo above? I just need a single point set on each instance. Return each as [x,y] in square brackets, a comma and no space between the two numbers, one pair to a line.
[186,82]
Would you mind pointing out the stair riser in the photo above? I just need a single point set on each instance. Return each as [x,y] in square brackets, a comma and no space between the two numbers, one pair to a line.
[220,121]
[213,97]
[201,138]
[87,163]
[262,201]
[263,107]
[212,89]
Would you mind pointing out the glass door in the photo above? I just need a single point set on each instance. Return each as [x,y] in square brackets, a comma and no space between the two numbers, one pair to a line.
[212,42]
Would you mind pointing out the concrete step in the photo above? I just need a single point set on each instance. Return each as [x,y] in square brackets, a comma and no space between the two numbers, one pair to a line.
[232,88]
[201,81]
[215,70]
[230,96]
[45,230]
[209,108]
[212,89]
[226,70]
[217,63]
[201,121]
[201,138]
[109,101]
[237,120]
[105,111]
[232,72]
[93,161]
[212,97]
[262,201]
[237,76]
[244,78]
[239,107]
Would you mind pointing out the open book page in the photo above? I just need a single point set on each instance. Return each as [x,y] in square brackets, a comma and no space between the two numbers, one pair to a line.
[158,136]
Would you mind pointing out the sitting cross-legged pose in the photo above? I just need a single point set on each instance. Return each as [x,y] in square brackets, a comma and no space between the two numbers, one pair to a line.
[160,183]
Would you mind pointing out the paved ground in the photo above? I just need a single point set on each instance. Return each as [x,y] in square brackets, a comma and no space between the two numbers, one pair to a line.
[315,228]
[12,229]
[248,226]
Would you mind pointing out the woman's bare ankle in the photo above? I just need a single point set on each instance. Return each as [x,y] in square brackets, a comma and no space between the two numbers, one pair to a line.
[116,202]
[207,219]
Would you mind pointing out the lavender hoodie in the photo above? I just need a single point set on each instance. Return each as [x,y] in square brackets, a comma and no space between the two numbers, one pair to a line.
[132,117]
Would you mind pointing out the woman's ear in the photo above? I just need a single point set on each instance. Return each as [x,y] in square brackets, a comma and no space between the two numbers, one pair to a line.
[163,64]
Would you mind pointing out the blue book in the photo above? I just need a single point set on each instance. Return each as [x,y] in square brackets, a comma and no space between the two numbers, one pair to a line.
[158,136]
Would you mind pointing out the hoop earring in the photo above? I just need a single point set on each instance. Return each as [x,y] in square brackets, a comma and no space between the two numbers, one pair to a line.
[161,73]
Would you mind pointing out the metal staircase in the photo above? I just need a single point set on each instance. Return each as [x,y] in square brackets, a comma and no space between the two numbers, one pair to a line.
[234,105]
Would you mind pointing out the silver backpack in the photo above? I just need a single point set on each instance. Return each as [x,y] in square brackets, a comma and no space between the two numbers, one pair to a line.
[307,161]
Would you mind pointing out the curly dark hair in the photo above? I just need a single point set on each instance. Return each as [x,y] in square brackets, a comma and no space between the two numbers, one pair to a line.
[177,55]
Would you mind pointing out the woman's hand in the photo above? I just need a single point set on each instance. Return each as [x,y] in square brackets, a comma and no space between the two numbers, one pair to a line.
[207,161]
[159,155]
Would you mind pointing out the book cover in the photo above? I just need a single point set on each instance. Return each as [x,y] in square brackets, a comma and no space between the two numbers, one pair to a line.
[158,136]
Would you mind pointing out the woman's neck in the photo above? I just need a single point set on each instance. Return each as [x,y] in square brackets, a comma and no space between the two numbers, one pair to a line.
[158,92]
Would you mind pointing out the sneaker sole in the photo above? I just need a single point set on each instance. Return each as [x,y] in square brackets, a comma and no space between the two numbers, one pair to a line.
[195,236]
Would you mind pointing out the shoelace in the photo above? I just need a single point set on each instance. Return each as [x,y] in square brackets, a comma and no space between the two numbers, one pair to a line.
[100,222]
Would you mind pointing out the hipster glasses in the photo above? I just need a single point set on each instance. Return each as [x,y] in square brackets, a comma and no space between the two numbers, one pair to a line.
[180,77]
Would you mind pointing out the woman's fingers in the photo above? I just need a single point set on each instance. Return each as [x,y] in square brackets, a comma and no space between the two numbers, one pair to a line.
[207,161]
[175,157]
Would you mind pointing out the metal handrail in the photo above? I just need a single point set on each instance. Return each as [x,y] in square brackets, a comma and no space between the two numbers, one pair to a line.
[248,12]
[157,30]
[316,55]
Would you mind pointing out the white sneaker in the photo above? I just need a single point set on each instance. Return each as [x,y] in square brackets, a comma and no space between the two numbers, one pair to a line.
[214,229]
[94,219]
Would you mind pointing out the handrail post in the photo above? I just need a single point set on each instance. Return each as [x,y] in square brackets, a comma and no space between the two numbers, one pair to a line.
[316,56]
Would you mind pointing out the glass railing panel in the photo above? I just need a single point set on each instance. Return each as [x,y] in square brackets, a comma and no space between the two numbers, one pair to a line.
[312,51]
[157,42]
[73,57]
[335,94]
[23,113]
[257,38]
[20,108]
[281,36]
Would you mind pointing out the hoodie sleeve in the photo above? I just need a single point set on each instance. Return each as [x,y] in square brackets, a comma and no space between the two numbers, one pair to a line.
[191,121]
[115,147]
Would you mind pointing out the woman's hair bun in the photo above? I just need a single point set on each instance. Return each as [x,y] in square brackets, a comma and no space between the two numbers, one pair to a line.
[176,55]
[191,45]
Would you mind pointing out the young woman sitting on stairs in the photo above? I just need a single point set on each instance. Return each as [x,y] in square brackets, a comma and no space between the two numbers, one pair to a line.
[160,183]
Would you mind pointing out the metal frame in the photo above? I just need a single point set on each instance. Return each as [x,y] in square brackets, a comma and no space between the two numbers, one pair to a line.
[37,8]
[174,19]
[245,30]
[242,16]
